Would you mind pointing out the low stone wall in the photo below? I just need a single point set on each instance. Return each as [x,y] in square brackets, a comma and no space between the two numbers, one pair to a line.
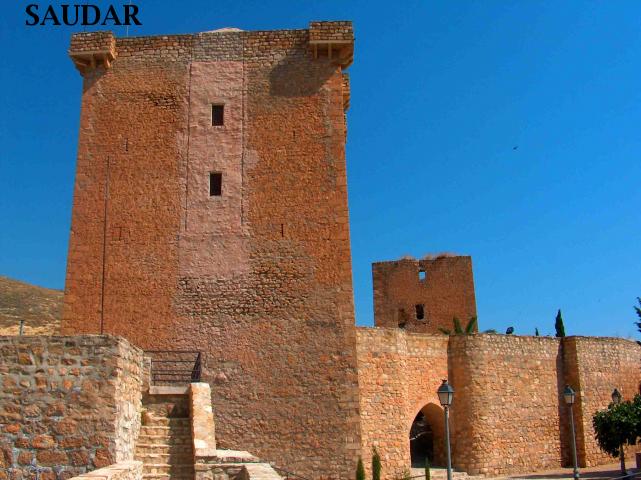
[203,431]
[117,471]
[68,404]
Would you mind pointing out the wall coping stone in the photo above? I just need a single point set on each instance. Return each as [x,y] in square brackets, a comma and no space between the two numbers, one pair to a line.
[166,390]
[114,472]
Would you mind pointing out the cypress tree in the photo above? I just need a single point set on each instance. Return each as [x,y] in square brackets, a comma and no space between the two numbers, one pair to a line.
[558,325]
[376,466]
[360,470]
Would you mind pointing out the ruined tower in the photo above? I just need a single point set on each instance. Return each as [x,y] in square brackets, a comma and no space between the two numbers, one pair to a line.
[423,295]
[210,213]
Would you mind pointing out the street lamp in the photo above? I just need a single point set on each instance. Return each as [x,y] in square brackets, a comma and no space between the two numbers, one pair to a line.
[445,395]
[616,396]
[569,396]
[616,400]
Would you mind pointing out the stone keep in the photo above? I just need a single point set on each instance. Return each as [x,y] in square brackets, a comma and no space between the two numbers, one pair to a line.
[210,213]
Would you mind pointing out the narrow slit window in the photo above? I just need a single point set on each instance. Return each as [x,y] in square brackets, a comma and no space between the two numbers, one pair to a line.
[215,184]
[218,115]
[421,275]
[420,312]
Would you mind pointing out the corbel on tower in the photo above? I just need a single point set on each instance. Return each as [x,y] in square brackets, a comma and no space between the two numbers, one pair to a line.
[334,41]
[90,50]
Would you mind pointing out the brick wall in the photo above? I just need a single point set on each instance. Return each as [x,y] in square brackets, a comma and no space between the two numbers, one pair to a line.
[259,278]
[446,292]
[68,405]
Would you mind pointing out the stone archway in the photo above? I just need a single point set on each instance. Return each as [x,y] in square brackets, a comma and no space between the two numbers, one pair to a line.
[426,437]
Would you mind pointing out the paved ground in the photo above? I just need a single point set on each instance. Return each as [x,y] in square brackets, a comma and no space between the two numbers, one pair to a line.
[602,472]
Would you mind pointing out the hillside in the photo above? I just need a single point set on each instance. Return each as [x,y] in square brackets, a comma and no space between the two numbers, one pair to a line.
[40,308]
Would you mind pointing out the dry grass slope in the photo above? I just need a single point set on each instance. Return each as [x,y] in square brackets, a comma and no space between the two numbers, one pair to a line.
[39,307]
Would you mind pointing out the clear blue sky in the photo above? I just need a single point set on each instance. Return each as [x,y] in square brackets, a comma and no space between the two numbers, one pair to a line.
[441,93]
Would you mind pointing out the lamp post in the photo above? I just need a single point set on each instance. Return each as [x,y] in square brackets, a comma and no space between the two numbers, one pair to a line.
[445,395]
[616,400]
[569,396]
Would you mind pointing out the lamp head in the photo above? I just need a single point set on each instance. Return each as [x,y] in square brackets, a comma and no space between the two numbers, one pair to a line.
[569,395]
[445,394]
[616,396]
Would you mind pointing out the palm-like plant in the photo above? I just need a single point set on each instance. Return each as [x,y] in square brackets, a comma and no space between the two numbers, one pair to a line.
[470,328]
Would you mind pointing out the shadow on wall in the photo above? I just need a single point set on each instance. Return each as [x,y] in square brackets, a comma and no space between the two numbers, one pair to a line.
[292,78]
[427,437]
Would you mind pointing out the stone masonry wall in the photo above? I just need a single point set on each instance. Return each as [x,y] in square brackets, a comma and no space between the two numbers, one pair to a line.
[595,367]
[508,414]
[505,415]
[446,291]
[398,375]
[68,405]
[259,278]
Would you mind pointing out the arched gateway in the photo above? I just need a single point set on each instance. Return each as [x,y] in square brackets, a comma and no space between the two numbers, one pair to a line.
[426,437]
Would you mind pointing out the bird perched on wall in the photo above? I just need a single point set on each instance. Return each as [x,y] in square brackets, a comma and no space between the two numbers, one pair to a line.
[509,331]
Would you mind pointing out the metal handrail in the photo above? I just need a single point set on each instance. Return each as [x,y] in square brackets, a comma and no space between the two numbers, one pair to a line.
[166,366]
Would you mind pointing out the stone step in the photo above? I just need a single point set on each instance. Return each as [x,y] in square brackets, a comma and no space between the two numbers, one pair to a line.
[168,458]
[156,421]
[143,448]
[164,440]
[165,431]
[168,476]
[172,427]
[439,474]
[167,468]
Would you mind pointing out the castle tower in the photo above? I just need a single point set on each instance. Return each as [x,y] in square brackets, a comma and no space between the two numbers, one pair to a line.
[210,213]
[423,295]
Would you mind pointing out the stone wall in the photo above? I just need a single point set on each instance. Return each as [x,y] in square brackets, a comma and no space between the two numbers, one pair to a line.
[68,405]
[595,367]
[118,471]
[442,288]
[508,414]
[398,375]
[505,415]
[259,278]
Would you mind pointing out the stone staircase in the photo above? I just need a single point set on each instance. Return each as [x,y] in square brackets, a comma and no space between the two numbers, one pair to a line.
[165,442]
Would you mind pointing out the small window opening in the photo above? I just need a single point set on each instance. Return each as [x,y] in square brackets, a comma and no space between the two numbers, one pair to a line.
[217,115]
[420,312]
[215,184]
[421,275]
